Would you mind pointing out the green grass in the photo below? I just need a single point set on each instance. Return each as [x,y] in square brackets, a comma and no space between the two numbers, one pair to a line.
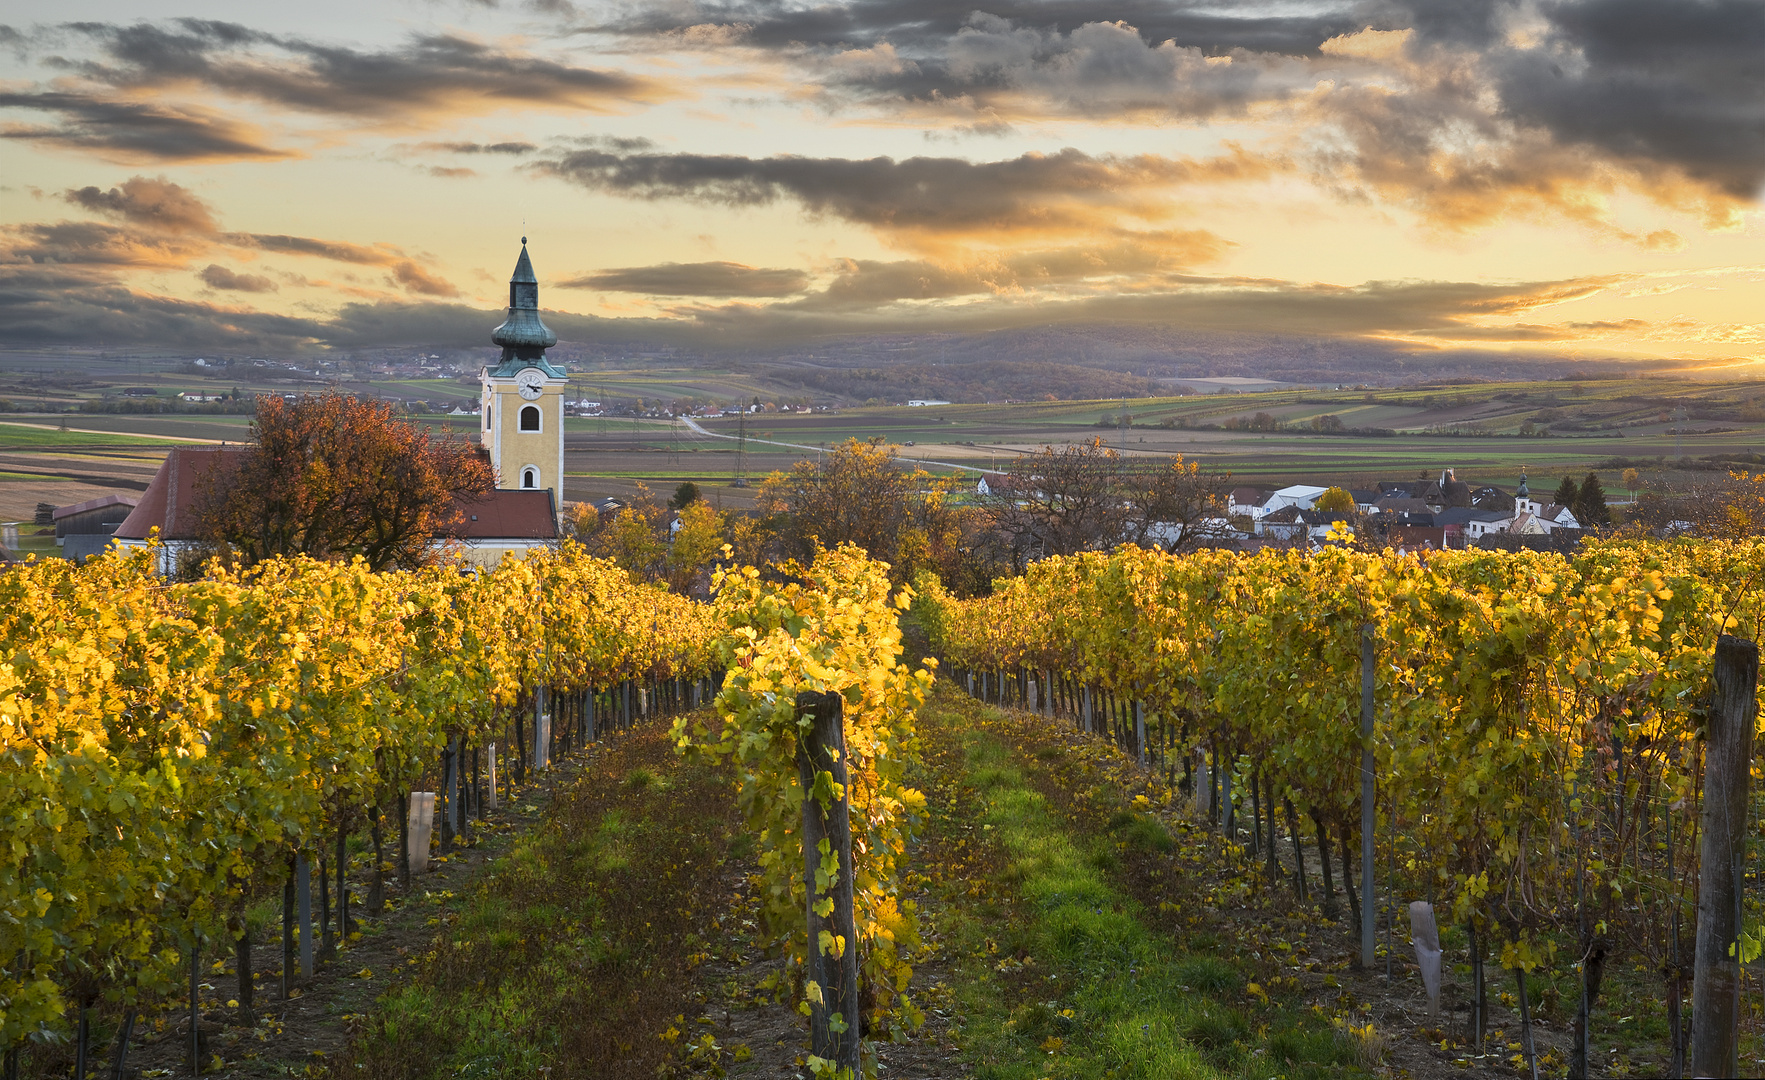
[1079,987]
[16,434]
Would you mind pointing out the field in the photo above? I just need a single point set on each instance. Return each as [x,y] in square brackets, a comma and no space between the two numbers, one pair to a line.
[1264,437]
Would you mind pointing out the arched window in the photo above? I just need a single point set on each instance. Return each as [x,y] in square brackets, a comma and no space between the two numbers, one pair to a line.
[530,418]
[529,478]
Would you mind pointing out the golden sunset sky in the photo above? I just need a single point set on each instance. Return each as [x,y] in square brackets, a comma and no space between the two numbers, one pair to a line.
[1573,179]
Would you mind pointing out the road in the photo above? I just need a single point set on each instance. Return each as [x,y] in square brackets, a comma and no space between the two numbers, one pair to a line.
[698,429]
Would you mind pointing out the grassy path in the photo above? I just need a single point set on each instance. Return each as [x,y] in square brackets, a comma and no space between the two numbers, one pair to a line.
[1064,972]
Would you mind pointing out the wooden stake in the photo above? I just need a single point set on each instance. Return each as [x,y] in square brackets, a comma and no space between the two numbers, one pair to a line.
[836,1026]
[1728,753]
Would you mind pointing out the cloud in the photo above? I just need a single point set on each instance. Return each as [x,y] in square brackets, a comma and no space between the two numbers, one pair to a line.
[135,131]
[164,225]
[428,73]
[1146,262]
[1467,113]
[95,244]
[335,250]
[695,279]
[216,276]
[512,148]
[1064,191]
[416,279]
[155,203]
[919,26]
[45,305]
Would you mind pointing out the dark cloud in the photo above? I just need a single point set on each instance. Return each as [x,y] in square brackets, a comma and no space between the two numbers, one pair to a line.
[63,305]
[216,276]
[93,243]
[1651,84]
[60,303]
[135,131]
[336,251]
[1489,109]
[402,270]
[513,148]
[1035,191]
[695,279]
[928,24]
[1145,262]
[156,203]
[430,72]
[995,68]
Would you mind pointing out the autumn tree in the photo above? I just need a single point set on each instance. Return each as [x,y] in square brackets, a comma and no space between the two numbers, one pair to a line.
[632,536]
[1335,501]
[1086,497]
[695,546]
[859,493]
[1176,506]
[1060,501]
[333,476]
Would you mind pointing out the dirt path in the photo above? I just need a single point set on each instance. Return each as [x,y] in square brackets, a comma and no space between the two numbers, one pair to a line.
[294,1036]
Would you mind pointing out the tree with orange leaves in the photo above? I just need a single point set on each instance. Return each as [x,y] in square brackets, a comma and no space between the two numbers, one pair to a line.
[333,476]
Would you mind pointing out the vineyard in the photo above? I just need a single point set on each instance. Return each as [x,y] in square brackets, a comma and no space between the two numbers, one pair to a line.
[1520,746]
[1537,741]
[174,752]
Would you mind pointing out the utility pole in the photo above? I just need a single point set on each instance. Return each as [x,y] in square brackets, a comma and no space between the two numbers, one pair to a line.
[741,447]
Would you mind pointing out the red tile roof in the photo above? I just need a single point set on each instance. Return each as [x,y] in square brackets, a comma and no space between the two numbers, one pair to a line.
[170,499]
[508,514]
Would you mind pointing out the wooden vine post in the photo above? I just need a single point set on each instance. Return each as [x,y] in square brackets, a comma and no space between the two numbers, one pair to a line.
[827,871]
[1728,757]
[1369,919]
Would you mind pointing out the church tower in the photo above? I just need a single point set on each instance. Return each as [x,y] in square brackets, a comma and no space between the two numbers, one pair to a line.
[524,395]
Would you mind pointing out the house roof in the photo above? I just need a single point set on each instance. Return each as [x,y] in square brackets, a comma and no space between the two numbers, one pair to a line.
[1248,496]
[1464,515]
[1299,491]
[99,503]
[507,514]
[1412,536]
[1401,504]
[169,503]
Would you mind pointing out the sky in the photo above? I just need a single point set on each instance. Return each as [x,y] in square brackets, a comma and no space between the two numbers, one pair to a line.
[1575,179]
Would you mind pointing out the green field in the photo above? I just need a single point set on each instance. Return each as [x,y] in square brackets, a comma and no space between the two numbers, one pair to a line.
[1488,431]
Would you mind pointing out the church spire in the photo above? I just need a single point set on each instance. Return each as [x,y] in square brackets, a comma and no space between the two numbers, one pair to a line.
[522,335]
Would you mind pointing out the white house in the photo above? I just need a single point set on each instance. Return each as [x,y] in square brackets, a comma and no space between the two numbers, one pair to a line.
[1301,496]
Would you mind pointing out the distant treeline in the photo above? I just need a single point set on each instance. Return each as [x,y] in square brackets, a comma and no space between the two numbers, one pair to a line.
[238,406]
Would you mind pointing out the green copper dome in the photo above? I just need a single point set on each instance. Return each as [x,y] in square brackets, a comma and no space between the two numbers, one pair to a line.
[522,335]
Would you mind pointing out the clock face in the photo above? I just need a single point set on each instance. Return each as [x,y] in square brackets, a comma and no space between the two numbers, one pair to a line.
[530,383]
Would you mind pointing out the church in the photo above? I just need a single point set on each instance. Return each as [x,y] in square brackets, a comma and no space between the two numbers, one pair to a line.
[523,432]
[523,395]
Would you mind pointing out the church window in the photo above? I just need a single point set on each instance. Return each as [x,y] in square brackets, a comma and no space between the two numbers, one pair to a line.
[530,418]
[529,478]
